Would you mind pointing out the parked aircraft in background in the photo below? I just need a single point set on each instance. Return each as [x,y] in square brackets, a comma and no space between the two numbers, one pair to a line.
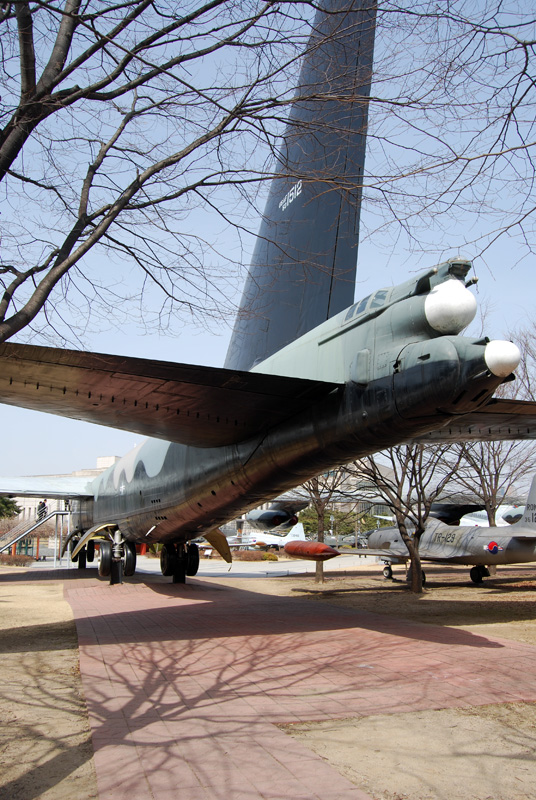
[505,515]
[481,548]
[312,379]
[266,540]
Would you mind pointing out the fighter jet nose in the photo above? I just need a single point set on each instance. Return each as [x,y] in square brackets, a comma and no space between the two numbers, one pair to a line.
[501,357]
[450,307]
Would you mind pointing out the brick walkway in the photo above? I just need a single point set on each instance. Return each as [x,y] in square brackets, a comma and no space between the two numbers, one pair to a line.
[185,685]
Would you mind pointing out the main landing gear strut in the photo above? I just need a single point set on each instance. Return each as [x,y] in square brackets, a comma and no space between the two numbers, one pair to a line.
[117,559]
[179,560]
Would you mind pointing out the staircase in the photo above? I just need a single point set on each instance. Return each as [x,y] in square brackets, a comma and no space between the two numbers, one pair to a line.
[24,529]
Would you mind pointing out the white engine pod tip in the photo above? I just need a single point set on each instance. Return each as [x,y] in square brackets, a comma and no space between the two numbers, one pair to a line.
[501,357]
[450,307]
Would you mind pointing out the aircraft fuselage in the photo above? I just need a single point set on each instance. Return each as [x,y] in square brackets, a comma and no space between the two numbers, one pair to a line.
[401,371]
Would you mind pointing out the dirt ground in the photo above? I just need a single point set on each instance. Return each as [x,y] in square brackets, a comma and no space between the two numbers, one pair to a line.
[486,753]
[482,753]
[45,744]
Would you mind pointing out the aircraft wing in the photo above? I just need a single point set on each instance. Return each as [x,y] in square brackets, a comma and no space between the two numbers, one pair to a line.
[499,419]
[59,487]
[200,406]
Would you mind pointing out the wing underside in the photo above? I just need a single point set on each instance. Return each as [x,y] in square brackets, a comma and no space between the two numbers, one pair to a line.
[55,487]
[199,406]
[500,419]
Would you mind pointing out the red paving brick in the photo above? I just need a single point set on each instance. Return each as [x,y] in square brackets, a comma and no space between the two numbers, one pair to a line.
[185,685]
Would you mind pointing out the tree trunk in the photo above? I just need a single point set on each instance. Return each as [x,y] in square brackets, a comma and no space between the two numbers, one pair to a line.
[416,572]
[412,543]
[319,571]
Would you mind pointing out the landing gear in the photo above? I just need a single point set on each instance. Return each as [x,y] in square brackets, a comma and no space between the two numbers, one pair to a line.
[82,556]
[105,559]
[116,559]
[72,545]
[90,551]
[179,560]
[388,572]
[192,559]
[129,559]
[168,557]
[478,573]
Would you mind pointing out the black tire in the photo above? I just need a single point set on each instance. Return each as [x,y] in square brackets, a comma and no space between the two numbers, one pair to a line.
[387,572]
[168,560]
[423,573]
[90,551]
[72,545]
[179,576]
[81,558]
[105,559]
[129,559]
[192,559]
[476,574]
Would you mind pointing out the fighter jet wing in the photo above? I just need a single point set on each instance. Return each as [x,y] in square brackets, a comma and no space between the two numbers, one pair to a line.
[200,406]
[499,419]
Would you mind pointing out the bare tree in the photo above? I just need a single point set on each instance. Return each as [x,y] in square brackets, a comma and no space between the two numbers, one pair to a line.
[123,126]
[451,134]
[493,470]
[415,477]
[320,492]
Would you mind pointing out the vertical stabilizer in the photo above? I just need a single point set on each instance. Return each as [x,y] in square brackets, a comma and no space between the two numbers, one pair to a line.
[303,266]
[529,516]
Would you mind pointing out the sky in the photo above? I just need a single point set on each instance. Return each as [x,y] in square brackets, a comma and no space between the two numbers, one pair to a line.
[43,444]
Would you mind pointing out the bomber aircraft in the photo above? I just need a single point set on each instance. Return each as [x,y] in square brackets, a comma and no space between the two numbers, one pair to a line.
[312,379]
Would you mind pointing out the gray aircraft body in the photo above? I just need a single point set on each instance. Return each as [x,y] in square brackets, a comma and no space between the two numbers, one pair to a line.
[312,379]
[478,547]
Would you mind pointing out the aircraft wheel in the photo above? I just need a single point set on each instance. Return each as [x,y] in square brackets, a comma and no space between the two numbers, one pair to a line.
[387,572]
[423,577]
[181,564]
[129,559]
[81,558]
[168,558]
[72,545]
[192,559]
[105,559]
[476,575]
[90,551]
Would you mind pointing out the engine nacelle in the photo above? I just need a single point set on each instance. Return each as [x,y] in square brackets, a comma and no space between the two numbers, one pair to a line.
[270,518]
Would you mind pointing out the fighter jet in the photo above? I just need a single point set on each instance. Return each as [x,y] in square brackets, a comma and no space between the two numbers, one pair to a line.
[480,547]
[312,378]
[275,539]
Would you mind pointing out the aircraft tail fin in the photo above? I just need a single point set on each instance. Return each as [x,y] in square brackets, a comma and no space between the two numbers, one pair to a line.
[529,516]
[303,267]
[296,533]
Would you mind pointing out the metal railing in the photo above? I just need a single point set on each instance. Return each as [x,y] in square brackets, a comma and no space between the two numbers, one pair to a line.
[23,530]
